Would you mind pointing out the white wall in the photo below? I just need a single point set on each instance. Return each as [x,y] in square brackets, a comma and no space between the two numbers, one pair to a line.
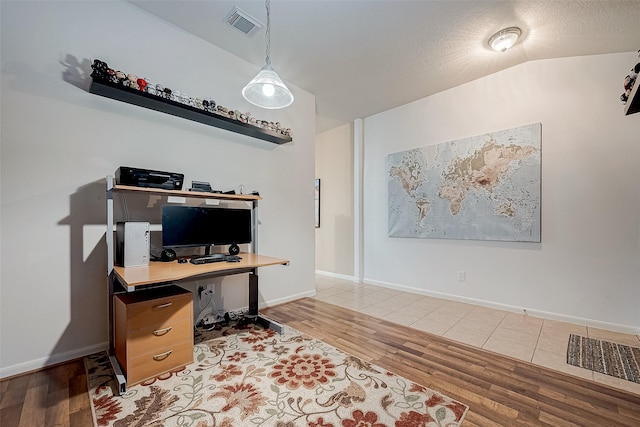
[58,143]
[587,268]
[334,167]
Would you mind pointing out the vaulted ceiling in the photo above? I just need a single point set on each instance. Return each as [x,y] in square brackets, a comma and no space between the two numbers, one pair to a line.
[361,57]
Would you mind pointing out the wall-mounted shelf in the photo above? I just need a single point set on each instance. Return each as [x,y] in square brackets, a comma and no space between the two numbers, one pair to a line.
[633,103]
[153,102]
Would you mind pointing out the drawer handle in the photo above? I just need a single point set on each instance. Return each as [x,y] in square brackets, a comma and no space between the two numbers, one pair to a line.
[159,357]
[161,332]
[165,305]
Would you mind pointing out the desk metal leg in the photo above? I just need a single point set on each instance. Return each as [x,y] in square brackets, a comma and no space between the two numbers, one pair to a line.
[253,306]
[121,380]
[253,294]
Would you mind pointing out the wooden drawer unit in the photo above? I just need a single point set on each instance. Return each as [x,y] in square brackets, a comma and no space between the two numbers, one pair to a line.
[153,331]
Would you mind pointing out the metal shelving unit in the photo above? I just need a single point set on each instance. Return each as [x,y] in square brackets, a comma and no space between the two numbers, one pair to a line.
[116,285]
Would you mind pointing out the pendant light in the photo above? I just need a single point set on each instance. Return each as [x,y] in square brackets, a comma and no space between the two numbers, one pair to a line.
[267,89]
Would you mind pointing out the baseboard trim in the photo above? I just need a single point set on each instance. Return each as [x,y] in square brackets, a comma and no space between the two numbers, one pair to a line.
[627,329]
[289,298]
[54,359]
[338,276]
[274,302]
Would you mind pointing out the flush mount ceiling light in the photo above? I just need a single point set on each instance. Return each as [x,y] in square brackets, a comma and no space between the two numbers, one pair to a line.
[267,90]
[504,39]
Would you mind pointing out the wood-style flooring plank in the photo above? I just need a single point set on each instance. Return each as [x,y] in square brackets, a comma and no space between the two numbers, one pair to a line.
[79,405]
[14,390]
[10,415]
[33,409]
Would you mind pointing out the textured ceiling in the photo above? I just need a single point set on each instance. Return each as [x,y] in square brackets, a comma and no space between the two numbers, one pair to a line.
[362,57]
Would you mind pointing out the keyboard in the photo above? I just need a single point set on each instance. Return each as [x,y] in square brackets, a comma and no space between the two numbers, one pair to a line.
[206,259]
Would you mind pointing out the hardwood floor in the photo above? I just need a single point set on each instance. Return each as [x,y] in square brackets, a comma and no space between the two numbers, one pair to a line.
[55,396]
[499,390]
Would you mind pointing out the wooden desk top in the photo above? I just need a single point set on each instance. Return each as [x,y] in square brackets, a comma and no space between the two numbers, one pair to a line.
[158,272]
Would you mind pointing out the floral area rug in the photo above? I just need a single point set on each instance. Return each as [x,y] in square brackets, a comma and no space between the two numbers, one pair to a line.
[250,376]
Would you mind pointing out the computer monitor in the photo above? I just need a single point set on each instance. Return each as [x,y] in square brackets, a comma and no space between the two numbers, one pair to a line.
[193,226]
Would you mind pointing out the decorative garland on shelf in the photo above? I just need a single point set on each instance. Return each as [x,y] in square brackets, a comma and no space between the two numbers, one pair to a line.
[102,71]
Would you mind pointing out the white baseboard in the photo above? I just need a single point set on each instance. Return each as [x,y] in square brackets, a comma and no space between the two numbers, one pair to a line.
[278,301]
[338,276]
[274,302]
[514,309]
[53,359]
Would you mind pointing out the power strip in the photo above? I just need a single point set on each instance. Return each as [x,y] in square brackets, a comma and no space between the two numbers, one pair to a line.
[213,319]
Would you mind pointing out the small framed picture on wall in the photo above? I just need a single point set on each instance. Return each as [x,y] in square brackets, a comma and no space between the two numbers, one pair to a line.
[317,203]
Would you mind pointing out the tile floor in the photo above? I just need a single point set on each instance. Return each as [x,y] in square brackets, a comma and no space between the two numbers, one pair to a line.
[537,340]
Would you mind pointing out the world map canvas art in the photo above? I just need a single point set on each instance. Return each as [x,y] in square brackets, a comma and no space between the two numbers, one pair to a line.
[485,187]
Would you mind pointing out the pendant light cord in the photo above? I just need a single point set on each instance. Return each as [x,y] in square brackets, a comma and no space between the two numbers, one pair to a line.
[268,32]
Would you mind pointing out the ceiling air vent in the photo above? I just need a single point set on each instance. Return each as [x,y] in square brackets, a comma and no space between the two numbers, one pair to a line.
[242,21]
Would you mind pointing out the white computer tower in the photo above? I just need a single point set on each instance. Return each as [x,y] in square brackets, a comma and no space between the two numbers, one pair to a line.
[132,244]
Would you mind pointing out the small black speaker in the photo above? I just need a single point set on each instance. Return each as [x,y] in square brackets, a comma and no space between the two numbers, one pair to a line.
[168,255]
[234,249]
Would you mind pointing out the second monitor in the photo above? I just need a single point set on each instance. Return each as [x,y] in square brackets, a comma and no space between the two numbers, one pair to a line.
[196,226]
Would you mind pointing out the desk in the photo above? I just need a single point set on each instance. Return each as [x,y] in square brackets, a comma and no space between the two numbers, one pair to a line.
[158,273]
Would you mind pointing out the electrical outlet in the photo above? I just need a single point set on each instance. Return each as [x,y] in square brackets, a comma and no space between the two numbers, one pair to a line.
[462,276]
